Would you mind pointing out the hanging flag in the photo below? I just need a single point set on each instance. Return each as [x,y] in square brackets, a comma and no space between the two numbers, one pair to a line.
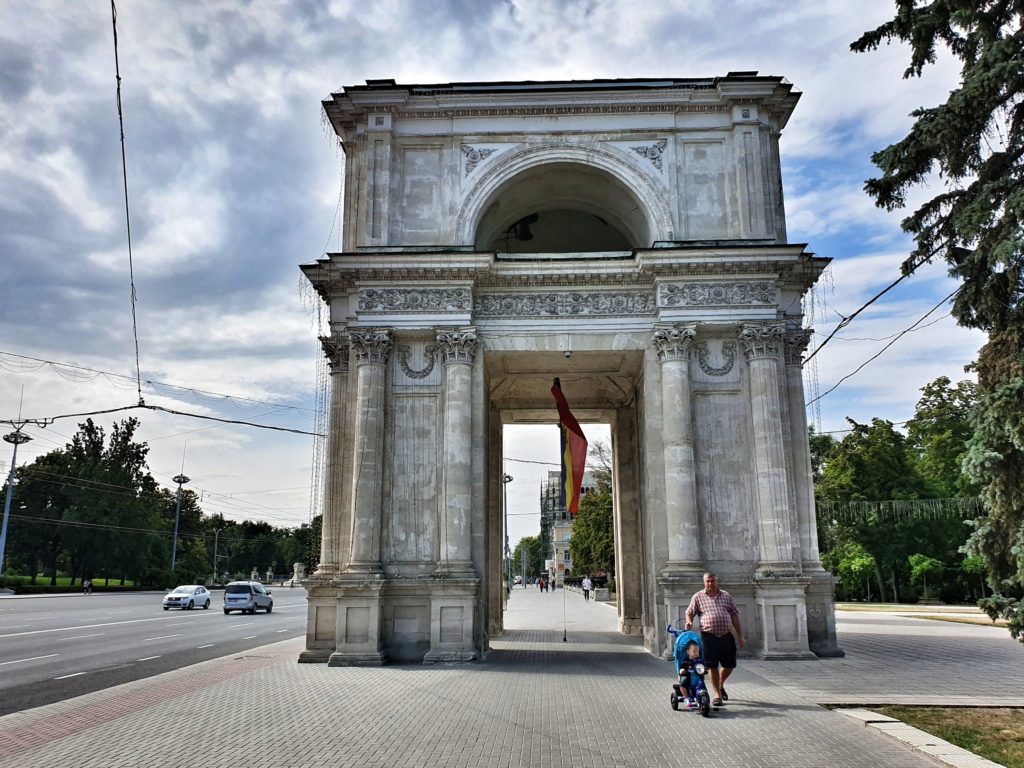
[574,451]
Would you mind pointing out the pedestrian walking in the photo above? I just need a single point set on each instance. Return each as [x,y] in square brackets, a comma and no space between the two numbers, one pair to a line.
[719,616]
[587,586]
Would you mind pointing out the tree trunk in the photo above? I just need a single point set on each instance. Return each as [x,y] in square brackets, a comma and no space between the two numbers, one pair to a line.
[895,589]
[881,582]
[867,587]
[53,565]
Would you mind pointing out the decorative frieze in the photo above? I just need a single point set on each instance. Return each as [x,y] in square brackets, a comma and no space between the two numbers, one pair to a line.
[458,346]
[474,156]
[371,346]
[728,356]
[565,304]
[415,299]
[652,152]
[796,340]
[404,355]
[674,343]
[761,340]
[706,294]
[336,349]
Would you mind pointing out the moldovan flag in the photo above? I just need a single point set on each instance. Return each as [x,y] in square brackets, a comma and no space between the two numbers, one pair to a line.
[574,451]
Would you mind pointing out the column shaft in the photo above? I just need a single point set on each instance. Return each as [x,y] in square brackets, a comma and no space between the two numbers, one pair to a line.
[683,524]
[371,350]
[336,349]
[796,342]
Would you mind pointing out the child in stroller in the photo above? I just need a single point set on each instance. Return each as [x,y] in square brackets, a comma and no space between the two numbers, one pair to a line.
[688,657]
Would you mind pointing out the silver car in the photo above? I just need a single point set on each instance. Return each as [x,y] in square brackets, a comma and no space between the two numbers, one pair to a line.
[247,597]
[187,597]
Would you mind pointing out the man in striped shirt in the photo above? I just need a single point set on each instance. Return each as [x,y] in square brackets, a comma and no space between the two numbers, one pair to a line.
[718,617]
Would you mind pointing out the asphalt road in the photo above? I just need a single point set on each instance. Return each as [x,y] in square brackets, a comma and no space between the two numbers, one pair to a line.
[54,648]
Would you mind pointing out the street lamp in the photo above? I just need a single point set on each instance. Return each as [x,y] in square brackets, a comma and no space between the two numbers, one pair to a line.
[16,438]
[180,480]
[216,535]
[506,479]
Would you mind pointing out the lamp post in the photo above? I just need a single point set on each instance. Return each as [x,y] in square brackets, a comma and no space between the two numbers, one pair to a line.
[505,480]
[216,535]
[180,480]
[16,438]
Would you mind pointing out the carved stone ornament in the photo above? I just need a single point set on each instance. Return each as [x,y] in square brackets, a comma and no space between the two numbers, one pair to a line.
[728,355]
[404,353]
[704,294]
[371,346]
[474,156]
[762,340]
[336,350]
[653,152]
[674,343]
[796,341]
[415,299]
[565,304]
[458,346]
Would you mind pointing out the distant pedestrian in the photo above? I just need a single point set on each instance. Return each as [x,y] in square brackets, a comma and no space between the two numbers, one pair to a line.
[542,584]
[87,587]
[587,586]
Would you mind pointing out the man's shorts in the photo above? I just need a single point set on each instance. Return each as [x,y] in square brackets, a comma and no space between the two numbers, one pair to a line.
[719,650]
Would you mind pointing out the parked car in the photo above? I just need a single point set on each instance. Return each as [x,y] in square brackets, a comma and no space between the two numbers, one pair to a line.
[187,597]
[247,597]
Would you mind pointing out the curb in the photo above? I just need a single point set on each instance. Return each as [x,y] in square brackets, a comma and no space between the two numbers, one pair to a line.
[940,751]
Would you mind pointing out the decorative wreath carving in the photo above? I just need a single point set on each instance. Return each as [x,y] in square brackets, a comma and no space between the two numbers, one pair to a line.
[728,354]
[404,354]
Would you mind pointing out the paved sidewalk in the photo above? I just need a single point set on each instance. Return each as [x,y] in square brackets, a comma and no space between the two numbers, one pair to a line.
[598,700]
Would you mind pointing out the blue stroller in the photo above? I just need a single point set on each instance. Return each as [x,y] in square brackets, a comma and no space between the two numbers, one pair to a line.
[691,671]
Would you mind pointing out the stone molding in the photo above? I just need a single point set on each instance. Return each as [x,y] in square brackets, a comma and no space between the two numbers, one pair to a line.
[564,304]
[674,343]
[336,348]
[706,294]
[761,340]
[371,346]
[458,346]
[474,156]
[652,152]
[415,299]
[728,355]
[796,340]
[404,354]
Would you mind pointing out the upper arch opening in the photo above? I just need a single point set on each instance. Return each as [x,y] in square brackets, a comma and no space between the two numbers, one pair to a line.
[562,207]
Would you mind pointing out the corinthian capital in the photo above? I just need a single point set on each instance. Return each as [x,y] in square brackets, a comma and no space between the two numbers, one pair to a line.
[762,340]
[674,343]
[336,348]
[371,346]
[796,341]
[458,346]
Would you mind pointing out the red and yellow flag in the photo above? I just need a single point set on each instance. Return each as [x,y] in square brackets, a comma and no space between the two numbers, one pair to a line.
[574,451]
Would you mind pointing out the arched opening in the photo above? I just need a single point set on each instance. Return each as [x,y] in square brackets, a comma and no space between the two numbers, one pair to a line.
[562,207]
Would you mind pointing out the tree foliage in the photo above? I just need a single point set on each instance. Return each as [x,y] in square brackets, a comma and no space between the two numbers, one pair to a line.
[974,142]
[592,546]
[528,548]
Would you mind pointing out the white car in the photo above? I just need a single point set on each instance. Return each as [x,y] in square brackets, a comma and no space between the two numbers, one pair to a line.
[246,597]
[187,597]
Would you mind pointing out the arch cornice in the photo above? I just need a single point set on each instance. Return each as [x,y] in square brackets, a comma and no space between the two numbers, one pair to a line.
[616,164]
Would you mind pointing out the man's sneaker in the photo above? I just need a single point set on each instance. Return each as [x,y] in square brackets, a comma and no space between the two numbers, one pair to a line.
[725,696]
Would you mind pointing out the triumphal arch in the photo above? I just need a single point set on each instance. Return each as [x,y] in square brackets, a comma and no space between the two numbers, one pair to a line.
[626,236]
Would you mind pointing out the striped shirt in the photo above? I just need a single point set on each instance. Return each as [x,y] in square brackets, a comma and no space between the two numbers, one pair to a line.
[715,612]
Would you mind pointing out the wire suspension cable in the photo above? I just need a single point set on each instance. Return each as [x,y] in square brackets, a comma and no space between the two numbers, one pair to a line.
[127,216]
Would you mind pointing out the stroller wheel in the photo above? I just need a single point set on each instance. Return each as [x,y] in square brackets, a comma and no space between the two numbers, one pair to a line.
[674,700]
[705,704]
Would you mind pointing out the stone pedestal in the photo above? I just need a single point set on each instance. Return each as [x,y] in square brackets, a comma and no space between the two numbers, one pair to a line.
[821,616]
[782,618]
[321,621]
[452,617]
[358,626]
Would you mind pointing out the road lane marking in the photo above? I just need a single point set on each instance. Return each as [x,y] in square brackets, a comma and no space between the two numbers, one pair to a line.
[86,626]
[205,646]
[148,658]
[73,674]
[34,658]
[82,637]
[250,637]
[16,626]
[161,637]
[177,623]
[243,624]
[284,630]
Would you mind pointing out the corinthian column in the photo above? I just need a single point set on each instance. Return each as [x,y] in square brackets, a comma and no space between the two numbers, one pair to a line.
[336,350]
[371,353]
[459,349]
[762,344]
[796,340]
[673,346]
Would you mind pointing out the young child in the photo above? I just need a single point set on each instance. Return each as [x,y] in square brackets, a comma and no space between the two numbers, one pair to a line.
[687,653]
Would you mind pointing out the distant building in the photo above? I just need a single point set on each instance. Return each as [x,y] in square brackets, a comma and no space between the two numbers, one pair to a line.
[555,522]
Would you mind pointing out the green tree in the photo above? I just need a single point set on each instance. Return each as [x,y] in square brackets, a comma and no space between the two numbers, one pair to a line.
[822,447]
[534,554]
[939,433]
[592,546]
[974,144]
[921,566]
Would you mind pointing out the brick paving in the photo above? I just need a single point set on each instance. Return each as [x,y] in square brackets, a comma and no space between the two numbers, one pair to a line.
[599,700]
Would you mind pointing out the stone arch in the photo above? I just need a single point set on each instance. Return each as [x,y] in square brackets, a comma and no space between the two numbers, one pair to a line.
[641,212]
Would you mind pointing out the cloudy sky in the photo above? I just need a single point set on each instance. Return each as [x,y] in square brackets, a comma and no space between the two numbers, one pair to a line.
[233,182]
